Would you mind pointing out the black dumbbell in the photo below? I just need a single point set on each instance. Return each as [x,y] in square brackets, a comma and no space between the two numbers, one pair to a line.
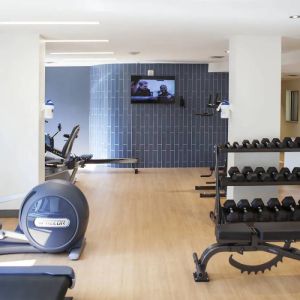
[262,175]
[296,171]
[247,214]
[277,143]
[232,215]
[274,174]
[278,213]
[289,204]
[297,141]
[288,142]
[287,174]
[247,144]
[257,144]
[249,174]
[227,146]
[263,214]
[236,145]
[235,174]
[266,142]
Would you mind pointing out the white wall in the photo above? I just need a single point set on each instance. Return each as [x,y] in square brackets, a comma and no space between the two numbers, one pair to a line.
[21,119]
[254,92]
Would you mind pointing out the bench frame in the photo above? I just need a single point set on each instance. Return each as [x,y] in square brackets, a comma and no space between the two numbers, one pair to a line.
[255,245]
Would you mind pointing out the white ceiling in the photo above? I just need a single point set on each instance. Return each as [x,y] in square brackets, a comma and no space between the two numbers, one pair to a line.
[162,31]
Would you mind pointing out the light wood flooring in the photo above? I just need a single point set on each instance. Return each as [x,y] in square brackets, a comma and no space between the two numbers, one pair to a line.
[142,232]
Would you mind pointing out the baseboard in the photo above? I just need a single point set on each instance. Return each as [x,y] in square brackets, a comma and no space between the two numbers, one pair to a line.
[9,213]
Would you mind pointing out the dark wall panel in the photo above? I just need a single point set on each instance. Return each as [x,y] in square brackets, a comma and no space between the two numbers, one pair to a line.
[160,135]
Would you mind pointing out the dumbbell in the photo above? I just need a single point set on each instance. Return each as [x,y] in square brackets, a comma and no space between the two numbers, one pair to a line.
[264,215]
[266,142]
[277,143]
[232,215]
[249,174]
[227,145]
[279,214]
[235,174]
[247,144]
[247,214]
[288,142]
[236,145]
[287,174]
[257,144]
[296,171]
[297,141]
[274,174]
[262,175]
[289,204]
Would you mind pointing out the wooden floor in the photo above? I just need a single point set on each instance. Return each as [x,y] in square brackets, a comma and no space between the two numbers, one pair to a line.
[142,232]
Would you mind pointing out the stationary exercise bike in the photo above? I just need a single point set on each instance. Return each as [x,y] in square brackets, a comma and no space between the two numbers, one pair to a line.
[53,218]
[49,139]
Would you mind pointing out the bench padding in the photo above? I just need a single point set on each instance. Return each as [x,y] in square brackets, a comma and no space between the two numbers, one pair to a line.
[237,232]
[265,232]
[278,231]
[35,283]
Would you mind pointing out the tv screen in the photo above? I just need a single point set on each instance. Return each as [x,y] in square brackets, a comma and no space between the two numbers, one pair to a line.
[152,89]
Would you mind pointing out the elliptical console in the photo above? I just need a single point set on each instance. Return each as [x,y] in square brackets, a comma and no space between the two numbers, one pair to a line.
[53,218]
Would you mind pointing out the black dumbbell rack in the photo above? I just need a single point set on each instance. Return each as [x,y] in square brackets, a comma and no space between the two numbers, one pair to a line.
[245,237]
[224,181]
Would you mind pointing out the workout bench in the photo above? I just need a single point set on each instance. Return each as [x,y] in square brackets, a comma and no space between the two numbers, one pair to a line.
[243,237]
[36,282]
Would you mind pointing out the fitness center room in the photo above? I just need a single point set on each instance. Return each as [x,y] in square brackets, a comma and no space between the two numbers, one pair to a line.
[149,150]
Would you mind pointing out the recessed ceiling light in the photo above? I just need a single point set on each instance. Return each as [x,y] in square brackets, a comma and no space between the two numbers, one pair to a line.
[89,59]
[83,53]
[134,52]
[75,41]
[217,56]
[50,23]
[295,17]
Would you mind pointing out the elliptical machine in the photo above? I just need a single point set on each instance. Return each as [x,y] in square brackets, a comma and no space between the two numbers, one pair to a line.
[53,218]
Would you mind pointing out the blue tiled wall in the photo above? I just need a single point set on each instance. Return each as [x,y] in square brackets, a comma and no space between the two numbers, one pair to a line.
[160,135]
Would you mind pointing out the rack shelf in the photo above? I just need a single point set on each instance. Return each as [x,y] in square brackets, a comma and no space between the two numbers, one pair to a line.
[257,150]
[228,182]
[222,181]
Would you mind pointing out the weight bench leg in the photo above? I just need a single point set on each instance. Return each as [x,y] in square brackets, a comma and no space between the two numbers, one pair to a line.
[201,264]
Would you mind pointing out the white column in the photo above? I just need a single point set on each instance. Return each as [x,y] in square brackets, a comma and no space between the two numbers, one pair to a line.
[254,92]
[21,116]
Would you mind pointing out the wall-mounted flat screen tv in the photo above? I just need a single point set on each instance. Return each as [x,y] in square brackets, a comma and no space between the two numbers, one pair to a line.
[152,89]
